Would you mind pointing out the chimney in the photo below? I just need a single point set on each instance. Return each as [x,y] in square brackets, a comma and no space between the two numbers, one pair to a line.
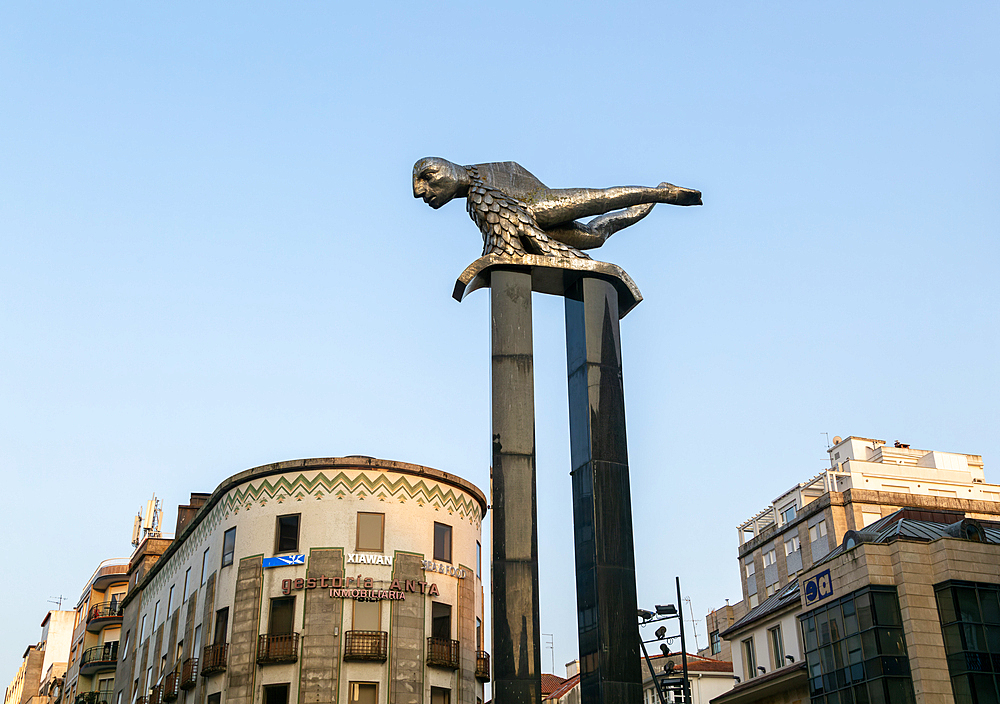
[572,668]
[185,514]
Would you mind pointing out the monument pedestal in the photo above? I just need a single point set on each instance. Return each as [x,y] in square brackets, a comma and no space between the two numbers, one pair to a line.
[597,295]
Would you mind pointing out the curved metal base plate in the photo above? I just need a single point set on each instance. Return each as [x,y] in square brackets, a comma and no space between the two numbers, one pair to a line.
[553,275]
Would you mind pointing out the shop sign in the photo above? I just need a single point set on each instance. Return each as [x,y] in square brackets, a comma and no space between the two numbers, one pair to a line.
[431,566]
[359,587]
[818,587]
[369,559]
[284,560]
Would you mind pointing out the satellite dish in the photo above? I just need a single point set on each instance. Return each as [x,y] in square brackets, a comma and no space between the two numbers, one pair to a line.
[837,439]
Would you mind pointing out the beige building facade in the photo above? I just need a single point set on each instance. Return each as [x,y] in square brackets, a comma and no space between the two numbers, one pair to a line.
[857,540]
[348,579]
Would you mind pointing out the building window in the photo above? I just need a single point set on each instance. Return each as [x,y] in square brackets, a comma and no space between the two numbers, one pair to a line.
[749,658]
[776,647]
[855,650]
[788,514]
[221,626]
[187,579]
[170,601]
[286,534]
[970,623]
[363,693]
[716,641]
[282,615]
[156,613]
[214,698]
[440,695]
[204,565]
[440,620]
[367,615]
[770,589]
[479,560]
[791,545]
[228,546]
[479,633]
[442,542]
[125,644]
[749,568]
[817,531]
[276,694]
[770,557]
[142,631]
[371,532]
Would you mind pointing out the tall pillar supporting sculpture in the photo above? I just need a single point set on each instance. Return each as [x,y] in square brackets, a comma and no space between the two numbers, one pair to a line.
[610,670]
[517,658]
[533,241]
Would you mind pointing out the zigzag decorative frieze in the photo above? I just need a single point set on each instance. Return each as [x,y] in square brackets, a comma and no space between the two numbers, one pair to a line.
[318,486]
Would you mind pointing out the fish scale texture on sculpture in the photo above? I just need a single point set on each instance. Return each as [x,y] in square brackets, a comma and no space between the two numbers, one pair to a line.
[508,229]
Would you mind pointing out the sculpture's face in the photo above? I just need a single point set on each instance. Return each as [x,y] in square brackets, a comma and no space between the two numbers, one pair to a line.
[436,181]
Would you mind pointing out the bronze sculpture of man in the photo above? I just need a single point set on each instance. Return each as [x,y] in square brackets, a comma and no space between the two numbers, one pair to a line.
[518,214]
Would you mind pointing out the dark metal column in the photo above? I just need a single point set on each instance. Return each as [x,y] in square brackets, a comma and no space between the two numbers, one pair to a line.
[516,641]
[602,510]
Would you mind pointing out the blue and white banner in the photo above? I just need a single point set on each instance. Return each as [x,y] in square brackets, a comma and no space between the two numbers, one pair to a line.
[284,560]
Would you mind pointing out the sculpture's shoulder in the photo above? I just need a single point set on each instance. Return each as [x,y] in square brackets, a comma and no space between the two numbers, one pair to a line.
[511,178]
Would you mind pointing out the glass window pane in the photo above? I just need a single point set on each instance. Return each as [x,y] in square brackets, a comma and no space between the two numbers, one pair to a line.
[975,638]
[282,613]
[991,609]
[952,638]
[968,605]
[288,534]
[890,641]
[946,605]
[962,689]
[900,691]
[809,627]
[886,609]
[834,619]
[370,531]
[442,542]
[984,689]
[863,604]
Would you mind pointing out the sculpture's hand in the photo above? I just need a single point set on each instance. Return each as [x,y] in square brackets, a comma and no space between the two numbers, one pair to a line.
[679,195]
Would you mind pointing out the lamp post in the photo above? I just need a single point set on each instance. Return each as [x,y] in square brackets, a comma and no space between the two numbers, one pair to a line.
[680,684]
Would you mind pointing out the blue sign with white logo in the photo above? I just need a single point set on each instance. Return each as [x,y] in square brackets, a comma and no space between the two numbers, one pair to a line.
[818,587]
[284,560]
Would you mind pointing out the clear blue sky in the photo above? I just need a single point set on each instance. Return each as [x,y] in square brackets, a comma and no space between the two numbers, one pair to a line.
[210,258]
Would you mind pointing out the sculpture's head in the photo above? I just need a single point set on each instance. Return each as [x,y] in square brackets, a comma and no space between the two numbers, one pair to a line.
[438,180]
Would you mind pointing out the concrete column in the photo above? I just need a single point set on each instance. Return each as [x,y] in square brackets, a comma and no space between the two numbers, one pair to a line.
[516,641]
[602,510]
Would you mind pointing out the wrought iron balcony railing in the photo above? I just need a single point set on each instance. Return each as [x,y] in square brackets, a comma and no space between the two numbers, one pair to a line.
[99,697]
[214,659]
[189,673]
[366,645]
[482,665]
[442,652]
[274,648]
[101,657]
[106,609]
[171,686]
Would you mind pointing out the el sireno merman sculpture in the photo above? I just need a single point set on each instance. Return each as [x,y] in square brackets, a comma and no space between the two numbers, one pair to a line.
[519,215]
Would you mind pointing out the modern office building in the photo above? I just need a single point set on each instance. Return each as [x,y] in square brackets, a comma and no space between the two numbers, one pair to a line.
[93,655]
[350,580]
[847,580]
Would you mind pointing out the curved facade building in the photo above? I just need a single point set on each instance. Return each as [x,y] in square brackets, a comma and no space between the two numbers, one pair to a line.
[349,580]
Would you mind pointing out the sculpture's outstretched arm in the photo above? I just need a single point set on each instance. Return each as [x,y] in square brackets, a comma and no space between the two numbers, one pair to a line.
[560,205]
[593,234]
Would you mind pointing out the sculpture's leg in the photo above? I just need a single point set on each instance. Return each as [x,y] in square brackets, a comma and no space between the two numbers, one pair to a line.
[516,640]
[602,513]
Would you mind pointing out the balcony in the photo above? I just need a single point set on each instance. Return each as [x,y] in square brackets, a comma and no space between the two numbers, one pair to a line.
[101,697]
[366,645]
[482,666]
[110,572]
[107,613]
[214,659]
[277,648]
[171,686]
[189,674]
[155,695]
[442,652]
[103,657]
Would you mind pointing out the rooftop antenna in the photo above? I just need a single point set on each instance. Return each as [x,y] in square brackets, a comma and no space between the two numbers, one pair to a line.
[147,524]
[694,623]
[551,645]
[828,445]
[57,600]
